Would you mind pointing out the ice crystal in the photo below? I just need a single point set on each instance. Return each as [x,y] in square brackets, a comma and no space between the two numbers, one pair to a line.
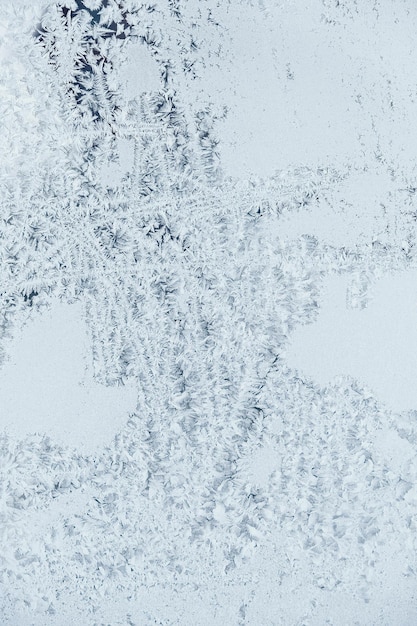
[190,294]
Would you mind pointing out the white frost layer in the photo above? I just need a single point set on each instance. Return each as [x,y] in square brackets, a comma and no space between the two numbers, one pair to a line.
[141,72]
[301,88]
[377,345]
[361,207]
[47,385]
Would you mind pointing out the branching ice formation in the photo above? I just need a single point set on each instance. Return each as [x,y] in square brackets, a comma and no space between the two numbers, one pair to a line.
[187,292]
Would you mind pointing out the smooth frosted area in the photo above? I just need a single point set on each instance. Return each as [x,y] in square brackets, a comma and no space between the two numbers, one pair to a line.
[141,72]
[376,345]
[349,214]
[113,172]
[300,90]
[47,385]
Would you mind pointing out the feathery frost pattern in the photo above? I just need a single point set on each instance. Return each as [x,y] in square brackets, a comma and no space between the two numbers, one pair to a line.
[190,293]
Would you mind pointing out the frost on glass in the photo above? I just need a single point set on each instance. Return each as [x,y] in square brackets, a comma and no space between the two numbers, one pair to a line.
[170,218]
